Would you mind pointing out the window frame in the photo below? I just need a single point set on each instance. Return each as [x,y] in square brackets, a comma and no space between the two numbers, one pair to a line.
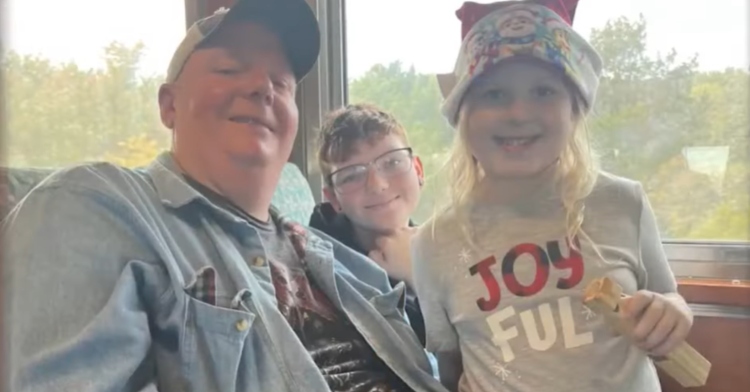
[688,259]
[709,259]
[323,90]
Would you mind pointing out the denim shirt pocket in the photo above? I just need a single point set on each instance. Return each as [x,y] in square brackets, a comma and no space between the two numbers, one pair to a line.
[213,338]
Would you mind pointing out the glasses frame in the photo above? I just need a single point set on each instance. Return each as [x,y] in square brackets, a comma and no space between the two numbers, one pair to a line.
[368,166]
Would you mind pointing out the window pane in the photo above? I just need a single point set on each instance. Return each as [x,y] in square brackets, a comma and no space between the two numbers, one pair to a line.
[672,110]
[82,79]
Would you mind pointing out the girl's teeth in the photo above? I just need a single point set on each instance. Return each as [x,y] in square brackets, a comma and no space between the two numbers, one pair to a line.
[514,141]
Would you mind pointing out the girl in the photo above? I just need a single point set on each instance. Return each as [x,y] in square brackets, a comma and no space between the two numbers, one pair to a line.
[531,221]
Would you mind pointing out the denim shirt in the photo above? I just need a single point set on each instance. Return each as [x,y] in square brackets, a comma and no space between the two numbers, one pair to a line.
[103,265]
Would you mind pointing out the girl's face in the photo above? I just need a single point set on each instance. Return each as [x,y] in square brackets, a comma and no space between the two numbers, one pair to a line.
[517,119]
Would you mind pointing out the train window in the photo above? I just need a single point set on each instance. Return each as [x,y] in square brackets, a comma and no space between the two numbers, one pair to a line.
[82,79]
[672,110]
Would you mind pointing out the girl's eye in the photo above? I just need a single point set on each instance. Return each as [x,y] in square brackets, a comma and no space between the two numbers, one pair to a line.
[493,94]
[544,91]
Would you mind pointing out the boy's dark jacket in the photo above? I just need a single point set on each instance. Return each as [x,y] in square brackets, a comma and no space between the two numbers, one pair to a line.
[326,219]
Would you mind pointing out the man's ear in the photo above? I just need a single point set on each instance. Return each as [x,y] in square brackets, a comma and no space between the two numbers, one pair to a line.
[420,169]
[330,196]
[167,104]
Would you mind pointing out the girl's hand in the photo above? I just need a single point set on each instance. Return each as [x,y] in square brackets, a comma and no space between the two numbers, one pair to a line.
[661,321]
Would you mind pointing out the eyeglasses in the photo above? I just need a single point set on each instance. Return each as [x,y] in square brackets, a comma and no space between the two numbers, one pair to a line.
[352,178]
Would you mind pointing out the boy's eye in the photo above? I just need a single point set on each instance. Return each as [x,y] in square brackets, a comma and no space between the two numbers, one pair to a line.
[392,162]
[349,178]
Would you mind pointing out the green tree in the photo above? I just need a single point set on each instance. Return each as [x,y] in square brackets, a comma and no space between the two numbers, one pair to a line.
[60,114]
[136,151]
[643,120]
[643,113]
[722,99]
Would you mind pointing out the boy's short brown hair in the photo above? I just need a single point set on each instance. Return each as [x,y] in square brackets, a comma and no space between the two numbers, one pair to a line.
[344,128]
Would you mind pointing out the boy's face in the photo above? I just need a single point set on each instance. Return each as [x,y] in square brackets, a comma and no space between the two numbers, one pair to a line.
[378,187]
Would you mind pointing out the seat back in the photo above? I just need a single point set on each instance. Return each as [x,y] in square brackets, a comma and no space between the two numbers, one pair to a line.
[293,196]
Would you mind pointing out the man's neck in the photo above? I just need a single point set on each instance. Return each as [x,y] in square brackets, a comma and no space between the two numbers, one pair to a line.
[248,188]
[254,199]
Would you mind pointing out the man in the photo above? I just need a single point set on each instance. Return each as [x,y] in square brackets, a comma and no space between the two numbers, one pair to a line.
[372,184]
[181,277]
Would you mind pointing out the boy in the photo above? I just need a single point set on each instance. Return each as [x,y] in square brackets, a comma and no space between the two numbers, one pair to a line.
[372,183]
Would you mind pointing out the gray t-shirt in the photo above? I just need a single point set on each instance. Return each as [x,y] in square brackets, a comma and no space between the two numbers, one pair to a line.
[511,305]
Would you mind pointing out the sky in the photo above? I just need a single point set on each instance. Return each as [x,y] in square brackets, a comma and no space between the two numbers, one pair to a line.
[422,33]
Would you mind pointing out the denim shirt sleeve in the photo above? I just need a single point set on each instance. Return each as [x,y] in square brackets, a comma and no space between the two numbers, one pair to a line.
[76,282]
[372,282]
[363,270]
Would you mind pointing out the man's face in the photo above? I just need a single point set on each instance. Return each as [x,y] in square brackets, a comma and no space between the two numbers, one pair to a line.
[378,187]
[232,107]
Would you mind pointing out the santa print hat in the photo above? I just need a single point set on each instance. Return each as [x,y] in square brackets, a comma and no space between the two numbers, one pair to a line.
[551,40]
[470,12]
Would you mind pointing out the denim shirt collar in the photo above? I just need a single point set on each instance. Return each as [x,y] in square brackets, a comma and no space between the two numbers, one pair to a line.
[172,188]
[177,193]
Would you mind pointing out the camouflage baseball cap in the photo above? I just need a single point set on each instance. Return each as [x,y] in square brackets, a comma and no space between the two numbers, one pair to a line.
[293,20]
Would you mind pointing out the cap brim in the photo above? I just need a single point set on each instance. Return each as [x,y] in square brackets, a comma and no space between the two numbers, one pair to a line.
[293,20]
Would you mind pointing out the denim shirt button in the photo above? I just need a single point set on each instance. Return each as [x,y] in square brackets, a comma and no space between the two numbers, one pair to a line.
[241,325]
[258,261]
